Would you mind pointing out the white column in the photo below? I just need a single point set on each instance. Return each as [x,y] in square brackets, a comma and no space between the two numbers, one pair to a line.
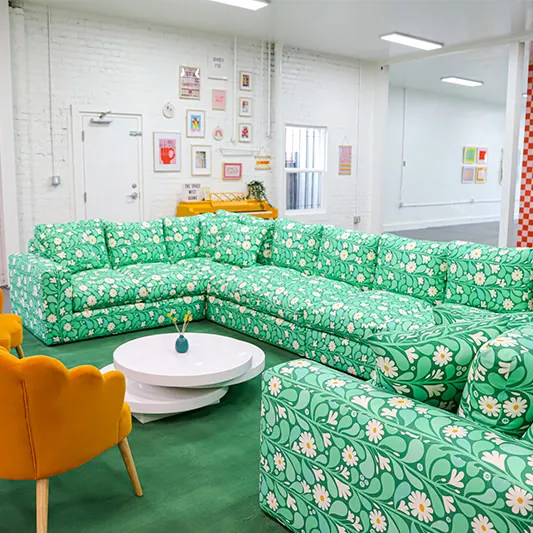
[511,156]
[279,132]
[8,204]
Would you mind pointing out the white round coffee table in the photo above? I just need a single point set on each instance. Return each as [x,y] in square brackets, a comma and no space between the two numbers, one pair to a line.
[161,382]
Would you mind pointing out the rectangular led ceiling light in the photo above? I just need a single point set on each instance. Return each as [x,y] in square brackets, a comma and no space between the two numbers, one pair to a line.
[409,40]
[462,81]
[253,5]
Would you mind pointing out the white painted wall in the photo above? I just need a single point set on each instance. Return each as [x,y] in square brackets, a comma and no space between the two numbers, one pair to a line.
[128,66]
[428,131]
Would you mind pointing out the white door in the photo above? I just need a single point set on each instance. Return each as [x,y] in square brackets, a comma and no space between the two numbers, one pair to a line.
[112,165]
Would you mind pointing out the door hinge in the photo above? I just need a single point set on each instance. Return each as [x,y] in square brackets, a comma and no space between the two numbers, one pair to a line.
[85,197]
[136,133]
[82,135]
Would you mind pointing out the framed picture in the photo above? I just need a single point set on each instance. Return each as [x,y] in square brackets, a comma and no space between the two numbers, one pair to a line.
[218,66]
[246,81]
[245,133]
[232,171]
[167,152]
[481,175]
[201,160]
[189,83]
[482,156]
[245,107]
[469,173]
[469,155]
[219,100]
[195,123]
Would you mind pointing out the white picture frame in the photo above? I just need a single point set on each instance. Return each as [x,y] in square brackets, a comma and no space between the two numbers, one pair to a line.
[246,81]
[195,123]
[245,107]
[201,160]
[167,151]
[245,132]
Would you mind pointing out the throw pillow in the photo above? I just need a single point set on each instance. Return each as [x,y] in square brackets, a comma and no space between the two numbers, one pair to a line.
[76,246]
[499,391]
[497,279]
[413,267]
[135,242]
[296,245]
[210,228]
[348,256]
[238,245]
[431,364]
[181,237]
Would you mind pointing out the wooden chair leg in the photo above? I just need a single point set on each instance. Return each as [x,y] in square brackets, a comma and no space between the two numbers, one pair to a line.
[125,450]
[20,353]
[42,505]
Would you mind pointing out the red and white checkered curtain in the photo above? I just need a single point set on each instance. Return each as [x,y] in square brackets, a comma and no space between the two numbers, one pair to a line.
[525,216]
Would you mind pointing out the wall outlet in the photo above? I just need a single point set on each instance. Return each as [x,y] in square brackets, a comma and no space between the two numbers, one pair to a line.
[356,220]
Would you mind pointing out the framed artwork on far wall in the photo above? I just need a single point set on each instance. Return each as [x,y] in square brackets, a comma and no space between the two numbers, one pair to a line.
[482,156]
[469,174]
[245,107]
[195,124]
[246,81]
[481,175]
[201,160]
[167,152]
[245,133]
[219,100]
[232,171]
[469,155]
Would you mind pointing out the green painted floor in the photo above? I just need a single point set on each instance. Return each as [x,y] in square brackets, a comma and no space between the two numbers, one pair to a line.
[199,470]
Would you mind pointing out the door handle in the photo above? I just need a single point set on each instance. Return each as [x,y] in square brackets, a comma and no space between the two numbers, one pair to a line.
[134,195]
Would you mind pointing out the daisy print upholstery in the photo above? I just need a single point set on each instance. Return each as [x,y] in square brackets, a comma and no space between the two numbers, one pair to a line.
[339,455]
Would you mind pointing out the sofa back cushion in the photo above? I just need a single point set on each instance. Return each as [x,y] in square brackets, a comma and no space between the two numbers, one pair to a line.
[497,279]
[413,267]
[348,256]
[499,390]
[296,245]
[182,236]
[76,246]
[238,244]
[264,257]
[135,242]
[431,364]
[210,228]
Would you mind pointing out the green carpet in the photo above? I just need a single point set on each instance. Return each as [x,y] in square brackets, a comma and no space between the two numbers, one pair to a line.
[199,470]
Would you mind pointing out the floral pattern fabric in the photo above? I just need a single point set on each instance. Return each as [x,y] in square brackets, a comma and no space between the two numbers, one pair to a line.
[75,246]
[497,279]
[499,391]
[135,242]
[296,245]
[448,313]
[431,365]
[182,236]
[348,256]
[413,267]
[339,456]
[238,245]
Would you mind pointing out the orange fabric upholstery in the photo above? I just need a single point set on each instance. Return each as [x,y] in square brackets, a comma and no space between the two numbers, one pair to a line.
[53,419]
[10,331]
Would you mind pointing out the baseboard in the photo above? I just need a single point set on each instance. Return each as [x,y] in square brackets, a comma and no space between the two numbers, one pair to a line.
[437,223]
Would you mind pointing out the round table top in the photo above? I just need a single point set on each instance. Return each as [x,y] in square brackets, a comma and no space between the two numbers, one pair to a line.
[211,360]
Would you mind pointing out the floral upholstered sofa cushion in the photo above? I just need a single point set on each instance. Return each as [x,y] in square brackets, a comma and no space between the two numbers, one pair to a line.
[239,244]
[76,246]
[499,391]
[497,279]
[182,236]
[296,245]
[413,267]
[348,256]
[135,242]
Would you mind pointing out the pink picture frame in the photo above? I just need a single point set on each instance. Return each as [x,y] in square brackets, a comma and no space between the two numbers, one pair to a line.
[232,171]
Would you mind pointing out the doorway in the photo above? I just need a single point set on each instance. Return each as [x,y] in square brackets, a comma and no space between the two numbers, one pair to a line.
[111,153]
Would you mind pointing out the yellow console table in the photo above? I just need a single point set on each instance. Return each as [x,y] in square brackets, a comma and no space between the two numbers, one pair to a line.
[229,201]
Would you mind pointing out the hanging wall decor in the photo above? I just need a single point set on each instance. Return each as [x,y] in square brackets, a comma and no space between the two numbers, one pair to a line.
[246,81]
[468,175]
[169,110]
[218,134]
[262,160]
[219,100]
[245,133]
[189,83]
[482,156]
[469,155]
[195,123]
[345,160]
[167,152]
[201,160]
[218,67]
[245,107]
[232,171]
[481,175]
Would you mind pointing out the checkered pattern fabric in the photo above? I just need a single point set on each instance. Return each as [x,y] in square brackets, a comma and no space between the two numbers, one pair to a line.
[525,217]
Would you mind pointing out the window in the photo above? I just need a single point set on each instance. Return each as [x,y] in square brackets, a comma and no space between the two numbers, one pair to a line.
[305,165]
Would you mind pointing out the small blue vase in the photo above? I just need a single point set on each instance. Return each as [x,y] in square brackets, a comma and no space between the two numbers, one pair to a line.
[182,344]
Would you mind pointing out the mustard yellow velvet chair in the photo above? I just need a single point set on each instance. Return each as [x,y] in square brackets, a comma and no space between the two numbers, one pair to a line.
[10,330]
[53,420]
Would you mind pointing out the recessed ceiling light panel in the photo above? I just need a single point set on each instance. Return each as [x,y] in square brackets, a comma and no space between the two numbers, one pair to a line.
[462,81]
[410,40]
[253,5]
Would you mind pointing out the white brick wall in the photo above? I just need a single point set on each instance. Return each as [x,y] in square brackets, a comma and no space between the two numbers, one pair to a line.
[132,67]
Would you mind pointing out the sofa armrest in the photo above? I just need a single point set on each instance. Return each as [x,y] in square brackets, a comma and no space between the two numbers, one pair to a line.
[338,454]
[41,292]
